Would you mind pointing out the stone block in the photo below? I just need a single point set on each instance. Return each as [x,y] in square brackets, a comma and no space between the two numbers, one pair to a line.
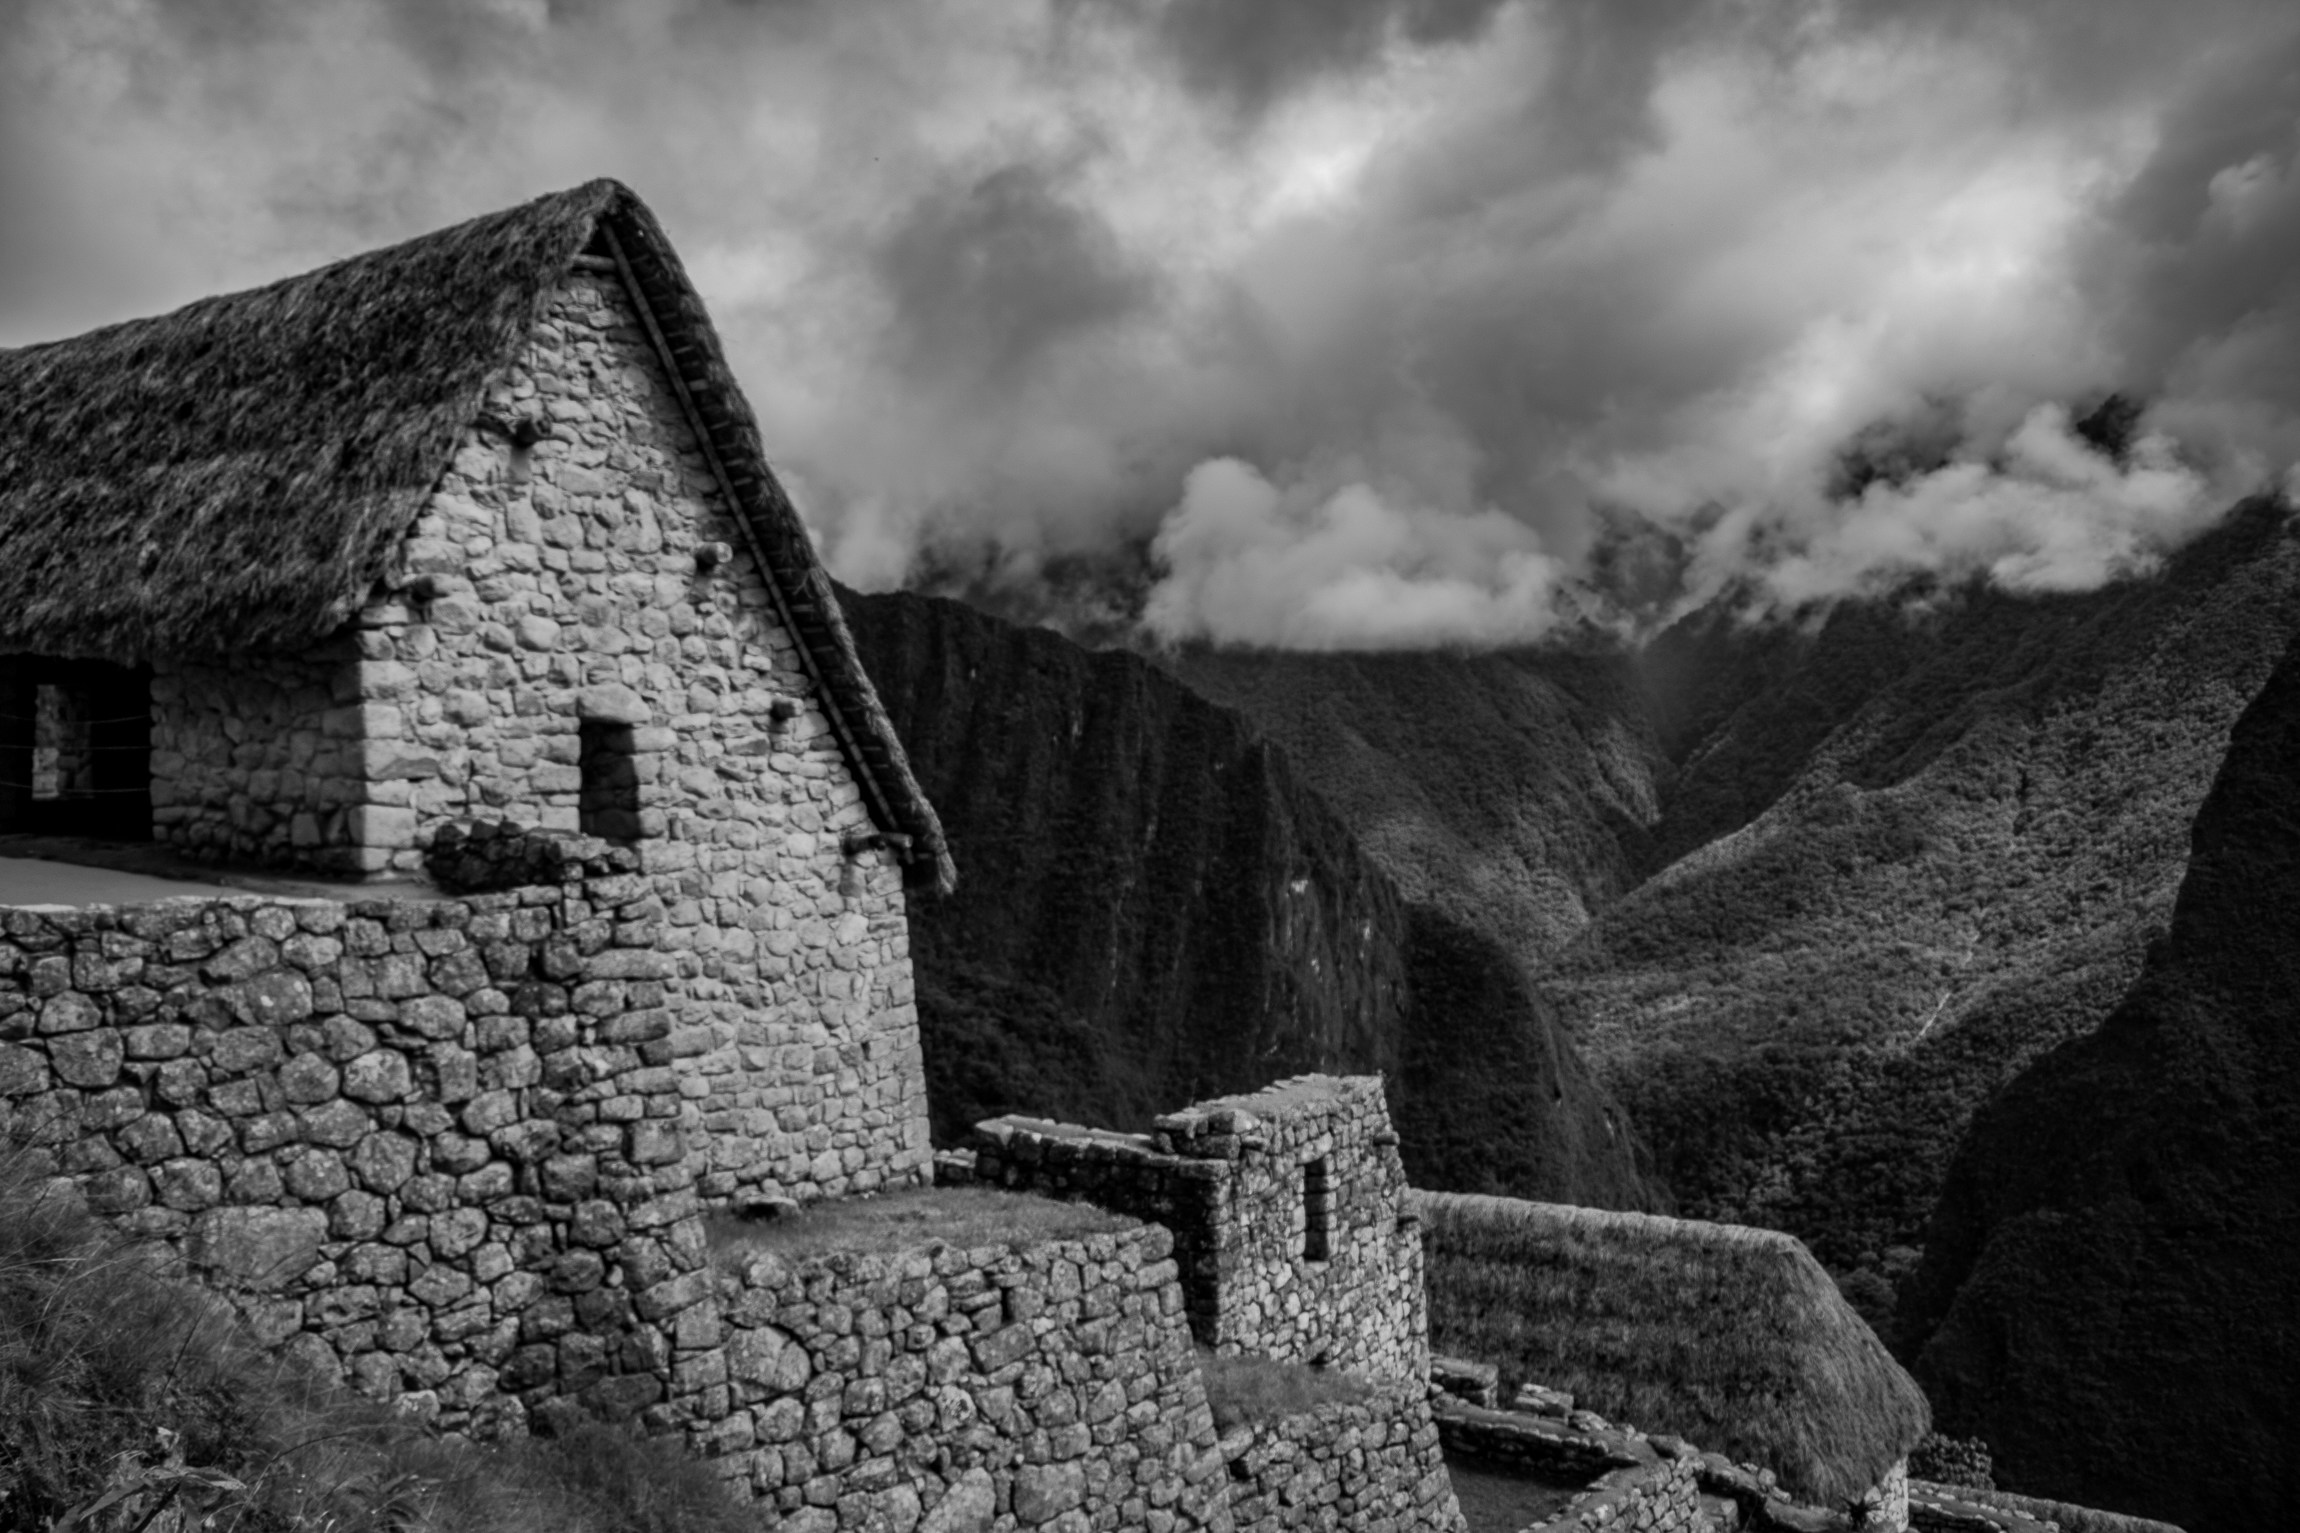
[770,1359]
[256,1248]
[613,703]
[23,1071]
[88,1060]
[382,827]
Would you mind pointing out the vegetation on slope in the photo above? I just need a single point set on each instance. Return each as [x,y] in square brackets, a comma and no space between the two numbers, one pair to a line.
[131,1398]
[1513,791]
[1157,909]
[1803,1013]
[2107,1289]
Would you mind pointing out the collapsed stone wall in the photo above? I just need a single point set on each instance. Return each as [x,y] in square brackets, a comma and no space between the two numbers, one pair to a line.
[1288,1208]
[1346,1464]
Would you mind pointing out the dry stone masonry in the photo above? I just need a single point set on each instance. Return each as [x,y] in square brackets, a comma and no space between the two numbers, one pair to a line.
[1050,1386]
[636,960]
[451,1151]
[1288,1208]
[1346,1464]
[414,1140]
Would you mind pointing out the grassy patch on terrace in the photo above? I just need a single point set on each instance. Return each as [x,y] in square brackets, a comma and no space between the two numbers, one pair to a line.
[1502,1498]
[894,1222]
[1248,1391]
[131,1398]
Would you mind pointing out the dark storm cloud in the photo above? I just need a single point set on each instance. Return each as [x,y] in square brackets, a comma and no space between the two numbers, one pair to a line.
[1250,55]
[1382,321]
[986,274]
[2199,258]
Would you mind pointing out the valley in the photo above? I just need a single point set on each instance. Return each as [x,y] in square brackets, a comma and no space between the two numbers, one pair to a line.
[1747,924]
[1805,896]
[1157,907]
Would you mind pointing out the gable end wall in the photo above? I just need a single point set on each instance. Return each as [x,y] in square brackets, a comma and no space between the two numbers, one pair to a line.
[565,583]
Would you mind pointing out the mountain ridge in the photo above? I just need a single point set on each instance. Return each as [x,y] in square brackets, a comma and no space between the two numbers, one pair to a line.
[2120,1227]
[1156,910]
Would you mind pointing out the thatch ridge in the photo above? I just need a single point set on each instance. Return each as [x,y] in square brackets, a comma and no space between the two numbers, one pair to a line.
[1730,1337]
[240,473]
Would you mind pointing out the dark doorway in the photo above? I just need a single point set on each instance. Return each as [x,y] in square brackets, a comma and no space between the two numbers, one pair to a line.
[75,748]
[610,794]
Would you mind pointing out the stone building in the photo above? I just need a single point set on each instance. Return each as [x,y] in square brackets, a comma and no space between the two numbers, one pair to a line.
[1288,1208]
[478,528]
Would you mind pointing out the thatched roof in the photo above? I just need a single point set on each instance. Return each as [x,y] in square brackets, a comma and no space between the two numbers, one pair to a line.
[1732,1338]
[240,473]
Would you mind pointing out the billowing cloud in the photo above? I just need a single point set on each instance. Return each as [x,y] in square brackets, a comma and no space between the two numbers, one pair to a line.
[1310,321]
[1251,564]
[2050,512]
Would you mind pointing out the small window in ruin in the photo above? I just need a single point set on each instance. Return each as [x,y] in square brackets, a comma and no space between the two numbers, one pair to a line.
[609,763]
[1317,1209]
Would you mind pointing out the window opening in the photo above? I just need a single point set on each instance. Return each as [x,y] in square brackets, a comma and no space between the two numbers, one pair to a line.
[1317,1209]
[609,765]
[62,764]
[75,748]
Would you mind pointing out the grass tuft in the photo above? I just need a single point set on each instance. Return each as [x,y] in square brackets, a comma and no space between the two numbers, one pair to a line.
[909,1220]
[1250,1390]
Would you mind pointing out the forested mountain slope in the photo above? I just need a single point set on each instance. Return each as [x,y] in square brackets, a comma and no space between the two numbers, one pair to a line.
[1514,789]
[1841,879]
[2108,1288]
[1976,820]
[1154,908]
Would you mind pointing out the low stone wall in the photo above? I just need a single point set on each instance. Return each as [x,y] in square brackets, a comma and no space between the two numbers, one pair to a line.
[1052,1386]
[1634,1481]
[1348,1464]
[1938,1508]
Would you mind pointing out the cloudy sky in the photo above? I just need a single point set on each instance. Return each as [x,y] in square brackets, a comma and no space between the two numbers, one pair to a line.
[1307,322]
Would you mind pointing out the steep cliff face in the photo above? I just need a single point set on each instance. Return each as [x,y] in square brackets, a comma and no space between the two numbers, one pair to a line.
[1154,908]
[2108,1288]
[1513,790]
[1806,895]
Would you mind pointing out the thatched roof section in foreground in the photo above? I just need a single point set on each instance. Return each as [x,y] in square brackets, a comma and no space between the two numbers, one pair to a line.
[1732,1338]
[240,473]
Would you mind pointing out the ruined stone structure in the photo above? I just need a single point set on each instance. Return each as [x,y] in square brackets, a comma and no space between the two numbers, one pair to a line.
[1288,1208]
[456,571]
[452,1152]
[589,609]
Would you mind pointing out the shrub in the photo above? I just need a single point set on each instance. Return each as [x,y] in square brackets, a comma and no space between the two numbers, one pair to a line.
[1953,1461]
[1249,1390]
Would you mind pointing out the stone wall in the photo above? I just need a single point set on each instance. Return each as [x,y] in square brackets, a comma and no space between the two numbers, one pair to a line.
[597,582]
[262,759]
[1277,1261]
[450,1149]
[1634,1481]
[1048,1386]
[579,622]
[1347,1464]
